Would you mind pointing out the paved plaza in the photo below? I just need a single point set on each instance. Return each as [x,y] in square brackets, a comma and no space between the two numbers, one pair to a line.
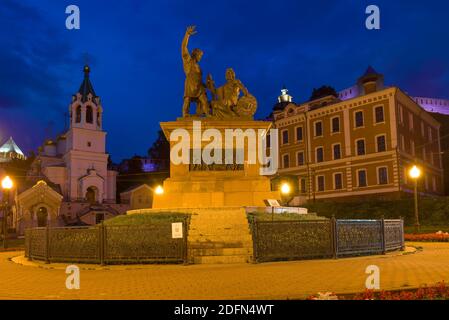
[20,279]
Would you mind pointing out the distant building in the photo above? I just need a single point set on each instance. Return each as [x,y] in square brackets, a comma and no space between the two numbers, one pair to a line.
[9,151]
[429,104]
[69,180]
[360,144]
[138,197]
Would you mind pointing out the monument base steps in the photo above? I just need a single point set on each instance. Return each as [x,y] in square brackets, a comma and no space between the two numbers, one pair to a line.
[220,236]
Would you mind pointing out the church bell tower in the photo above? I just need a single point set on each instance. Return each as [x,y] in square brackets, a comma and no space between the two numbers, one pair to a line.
[85,156]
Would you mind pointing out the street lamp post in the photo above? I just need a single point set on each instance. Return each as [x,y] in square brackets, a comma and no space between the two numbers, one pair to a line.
[6,186]
[415,173]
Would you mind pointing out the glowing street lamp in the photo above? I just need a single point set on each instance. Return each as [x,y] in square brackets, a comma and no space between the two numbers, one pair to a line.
[7,184]
[159,190]
[415,173]
[285,188]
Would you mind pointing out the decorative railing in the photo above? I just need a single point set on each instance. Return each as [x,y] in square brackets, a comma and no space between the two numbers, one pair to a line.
[106,244]
[311,239]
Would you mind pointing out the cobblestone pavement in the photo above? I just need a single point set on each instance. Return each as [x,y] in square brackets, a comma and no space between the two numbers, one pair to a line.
[280,280]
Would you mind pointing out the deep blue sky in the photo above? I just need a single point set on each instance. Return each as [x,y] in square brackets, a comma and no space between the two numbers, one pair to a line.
[134,49]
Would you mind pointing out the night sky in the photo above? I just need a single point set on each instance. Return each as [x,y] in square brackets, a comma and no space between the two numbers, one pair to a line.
[134,54]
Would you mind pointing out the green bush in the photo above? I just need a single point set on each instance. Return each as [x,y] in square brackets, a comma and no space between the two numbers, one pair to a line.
[147,218]
[432,211]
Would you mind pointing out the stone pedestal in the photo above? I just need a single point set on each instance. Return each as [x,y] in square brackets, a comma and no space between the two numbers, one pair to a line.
[192,186]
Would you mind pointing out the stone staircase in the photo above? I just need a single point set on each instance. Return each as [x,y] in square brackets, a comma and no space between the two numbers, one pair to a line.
[220,235]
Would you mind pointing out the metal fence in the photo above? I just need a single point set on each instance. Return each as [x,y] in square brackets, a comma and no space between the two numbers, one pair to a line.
[107,244]
[296,240]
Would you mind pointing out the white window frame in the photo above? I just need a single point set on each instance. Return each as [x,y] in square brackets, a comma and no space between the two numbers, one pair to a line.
[363,119]
[317,184]
[282,137]
[300,185]
[314,129]
[316,155]
[411,122]
[374,114]
[303,157]
[356,147]
[333,180]
[358,177]
[378,176]
[401,114]
[332,125]
[296,133]
[333,152]
[377,144]
[283,162]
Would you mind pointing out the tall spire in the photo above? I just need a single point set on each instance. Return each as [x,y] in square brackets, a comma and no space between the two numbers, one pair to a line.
[86,86]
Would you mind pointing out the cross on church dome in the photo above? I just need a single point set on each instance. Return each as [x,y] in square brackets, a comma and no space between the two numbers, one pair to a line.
[86,87]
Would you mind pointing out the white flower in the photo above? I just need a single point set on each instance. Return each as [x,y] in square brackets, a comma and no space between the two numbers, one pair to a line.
[326,296]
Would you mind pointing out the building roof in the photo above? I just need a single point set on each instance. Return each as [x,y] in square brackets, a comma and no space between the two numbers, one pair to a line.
[135,187]
[370,71]
[86,86]
[11,146]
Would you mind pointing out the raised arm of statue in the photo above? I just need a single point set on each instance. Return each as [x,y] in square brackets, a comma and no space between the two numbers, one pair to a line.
[185,51]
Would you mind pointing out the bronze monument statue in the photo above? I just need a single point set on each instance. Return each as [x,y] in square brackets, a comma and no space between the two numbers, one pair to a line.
[227,102]
[194,89]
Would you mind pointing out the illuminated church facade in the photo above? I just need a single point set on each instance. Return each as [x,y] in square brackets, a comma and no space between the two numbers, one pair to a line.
[69,182]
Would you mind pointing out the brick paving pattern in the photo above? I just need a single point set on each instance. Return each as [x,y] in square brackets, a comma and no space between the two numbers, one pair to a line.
[280,280]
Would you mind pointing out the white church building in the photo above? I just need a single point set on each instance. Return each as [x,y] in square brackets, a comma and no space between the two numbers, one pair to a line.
[69,182]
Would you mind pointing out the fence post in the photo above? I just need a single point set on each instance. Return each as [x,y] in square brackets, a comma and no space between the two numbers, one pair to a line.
[334,237]
[254,236]
[382,234]
[47,244]
[402,234]
[102,239]
[185,242]
[28,232]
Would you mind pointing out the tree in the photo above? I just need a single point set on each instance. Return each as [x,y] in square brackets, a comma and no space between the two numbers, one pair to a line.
[159,152]
[322,92]
[135,164]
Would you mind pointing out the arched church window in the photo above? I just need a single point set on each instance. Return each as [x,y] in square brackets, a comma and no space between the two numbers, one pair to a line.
[78,114]
[42,216]
[98,118]
[89,115]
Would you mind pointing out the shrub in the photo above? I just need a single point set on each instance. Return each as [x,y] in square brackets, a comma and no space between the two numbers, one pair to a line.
[432,211]
[148,218]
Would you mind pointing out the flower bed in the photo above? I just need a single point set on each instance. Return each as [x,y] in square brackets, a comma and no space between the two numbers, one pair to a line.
[428,237]
[440,291]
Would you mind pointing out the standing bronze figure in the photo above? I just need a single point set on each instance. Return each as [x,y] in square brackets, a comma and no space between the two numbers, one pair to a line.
[194,88]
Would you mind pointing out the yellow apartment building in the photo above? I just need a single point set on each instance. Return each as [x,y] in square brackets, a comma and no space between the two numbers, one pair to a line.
[362,146]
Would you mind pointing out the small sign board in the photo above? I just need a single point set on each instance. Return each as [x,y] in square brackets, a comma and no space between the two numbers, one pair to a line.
[176,230]
[272,203]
